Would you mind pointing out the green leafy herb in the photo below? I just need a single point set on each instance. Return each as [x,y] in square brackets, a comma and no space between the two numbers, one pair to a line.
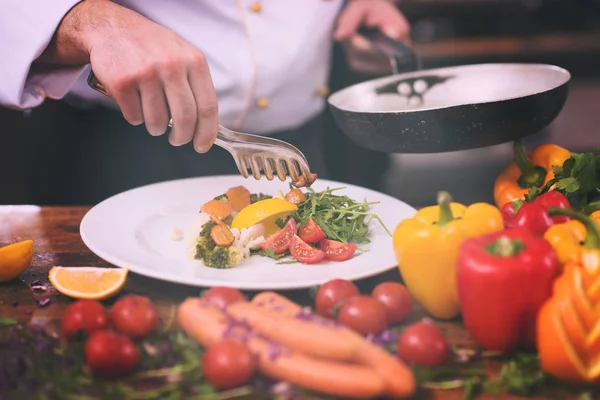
[578,179]
[268,253]
[340,217]
[287,262]
[281,222]
[7,321]
[521,376]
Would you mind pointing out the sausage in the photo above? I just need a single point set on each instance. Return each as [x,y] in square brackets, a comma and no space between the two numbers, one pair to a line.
[207,324]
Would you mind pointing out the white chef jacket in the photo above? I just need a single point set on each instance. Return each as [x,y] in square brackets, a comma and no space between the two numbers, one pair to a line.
[269,59]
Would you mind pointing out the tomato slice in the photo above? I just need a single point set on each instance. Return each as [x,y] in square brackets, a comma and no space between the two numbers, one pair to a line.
[311,232]
[280,241]
[304,252]
[337,251]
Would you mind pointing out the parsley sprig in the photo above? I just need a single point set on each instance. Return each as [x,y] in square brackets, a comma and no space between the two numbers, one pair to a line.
[340,217]
[578,179]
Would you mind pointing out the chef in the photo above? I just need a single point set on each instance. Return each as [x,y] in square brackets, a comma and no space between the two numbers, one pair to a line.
[254,66]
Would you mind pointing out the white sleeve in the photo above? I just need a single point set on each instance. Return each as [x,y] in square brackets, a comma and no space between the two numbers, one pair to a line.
[26,28]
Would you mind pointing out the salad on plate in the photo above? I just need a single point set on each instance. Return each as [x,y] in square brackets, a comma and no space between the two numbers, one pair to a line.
[298,226]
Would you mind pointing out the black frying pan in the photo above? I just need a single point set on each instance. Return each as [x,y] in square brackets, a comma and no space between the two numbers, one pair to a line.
[448,109]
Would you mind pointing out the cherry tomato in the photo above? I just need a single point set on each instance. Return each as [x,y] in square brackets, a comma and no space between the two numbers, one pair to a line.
[337,251]
[110,354]
[422,343]
[304,252]
[222,296]
[228,364]
[84,316]
[134,316]
[332,294]
[364,314]
[280,241]
[311,232]
[396,299]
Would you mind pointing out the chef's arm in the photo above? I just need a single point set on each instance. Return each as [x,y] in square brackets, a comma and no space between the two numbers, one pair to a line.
[26,29]
[151,72]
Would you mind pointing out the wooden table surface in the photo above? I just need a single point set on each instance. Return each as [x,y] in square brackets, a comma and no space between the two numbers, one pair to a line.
[55,232]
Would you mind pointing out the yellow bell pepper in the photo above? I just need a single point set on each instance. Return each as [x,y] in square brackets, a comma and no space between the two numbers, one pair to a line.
[566,239]
[427,245]
[593,210]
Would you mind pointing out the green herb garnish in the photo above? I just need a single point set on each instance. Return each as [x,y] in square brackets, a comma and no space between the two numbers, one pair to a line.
[7,321]
[340,217]
[268,253]
[578,179]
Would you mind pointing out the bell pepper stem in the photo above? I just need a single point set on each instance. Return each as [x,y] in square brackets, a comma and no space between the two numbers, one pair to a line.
[592,240]
[505,247]
[531,175]
[444,199]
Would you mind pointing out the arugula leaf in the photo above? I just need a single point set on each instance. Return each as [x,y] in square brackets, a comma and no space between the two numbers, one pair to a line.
[340,217]
[269,253]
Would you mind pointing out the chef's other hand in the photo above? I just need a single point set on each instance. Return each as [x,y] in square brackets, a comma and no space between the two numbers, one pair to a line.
[381,14]
[152,73]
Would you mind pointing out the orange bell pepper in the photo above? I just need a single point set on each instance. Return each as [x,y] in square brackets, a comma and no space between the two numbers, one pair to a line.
[568,324]
[528,171]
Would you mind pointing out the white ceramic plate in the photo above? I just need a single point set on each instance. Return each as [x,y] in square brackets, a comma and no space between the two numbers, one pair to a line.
[133,230]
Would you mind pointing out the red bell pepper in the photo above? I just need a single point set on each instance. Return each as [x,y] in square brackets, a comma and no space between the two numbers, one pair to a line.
[503,280]
[533,215]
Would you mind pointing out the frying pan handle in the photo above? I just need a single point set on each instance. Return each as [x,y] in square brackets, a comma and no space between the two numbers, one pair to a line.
[398,52]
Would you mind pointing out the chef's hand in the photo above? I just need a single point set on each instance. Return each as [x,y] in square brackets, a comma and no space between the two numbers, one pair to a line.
[382,14]
[152,73]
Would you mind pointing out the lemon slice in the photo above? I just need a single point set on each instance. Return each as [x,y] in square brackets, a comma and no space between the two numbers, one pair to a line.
[264,211]
[14,259]
[87,282]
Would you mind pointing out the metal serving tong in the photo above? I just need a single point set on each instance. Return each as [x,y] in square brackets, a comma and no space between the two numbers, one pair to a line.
[253,152]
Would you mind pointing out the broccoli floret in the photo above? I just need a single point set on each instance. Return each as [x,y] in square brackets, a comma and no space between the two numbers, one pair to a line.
[222,257]
[222,197]
[204,243]
[206,228]
[212,255]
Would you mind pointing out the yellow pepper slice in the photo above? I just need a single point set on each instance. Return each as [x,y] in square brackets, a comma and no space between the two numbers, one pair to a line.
[427,245]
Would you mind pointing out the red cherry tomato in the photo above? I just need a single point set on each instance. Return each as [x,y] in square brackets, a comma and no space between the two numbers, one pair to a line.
[228,364]
[134,316]
[110,354]
[337,251]
[364,314]
[84,316]
[422,343]
[280,241]
[304,252]
[222,296]
[396,299]
[332,294]
[311,232]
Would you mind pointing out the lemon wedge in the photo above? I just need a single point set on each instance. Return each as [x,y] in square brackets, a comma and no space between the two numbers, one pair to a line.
[14,259]
[264,211]
[92,283]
